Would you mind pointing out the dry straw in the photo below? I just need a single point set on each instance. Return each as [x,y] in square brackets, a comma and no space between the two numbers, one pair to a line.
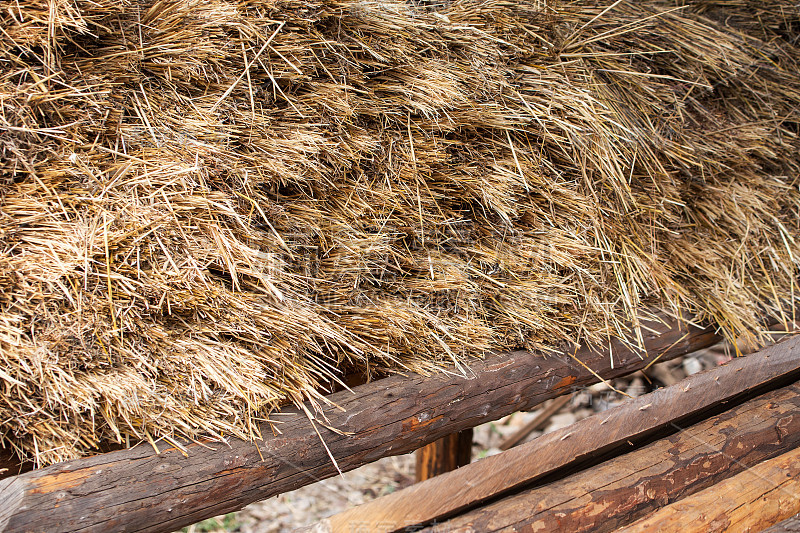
[212,208]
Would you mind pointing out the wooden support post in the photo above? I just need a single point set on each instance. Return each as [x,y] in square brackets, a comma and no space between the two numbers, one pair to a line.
[444,455]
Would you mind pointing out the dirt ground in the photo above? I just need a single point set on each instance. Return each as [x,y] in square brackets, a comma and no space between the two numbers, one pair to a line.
[310,504]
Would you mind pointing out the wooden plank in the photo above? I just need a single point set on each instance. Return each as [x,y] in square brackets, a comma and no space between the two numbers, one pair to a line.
[634,485]
[137,490]
[591,437]
[753,500]
[444,455]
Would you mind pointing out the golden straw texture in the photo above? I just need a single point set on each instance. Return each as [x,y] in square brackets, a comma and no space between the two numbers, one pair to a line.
[209,209]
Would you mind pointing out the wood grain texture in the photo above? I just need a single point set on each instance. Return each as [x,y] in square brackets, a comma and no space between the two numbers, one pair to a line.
[591,437]
[753,500]
[137,490]
[444,455]
[636,484]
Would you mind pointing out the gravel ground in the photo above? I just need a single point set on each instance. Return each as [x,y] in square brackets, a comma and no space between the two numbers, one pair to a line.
[311,503]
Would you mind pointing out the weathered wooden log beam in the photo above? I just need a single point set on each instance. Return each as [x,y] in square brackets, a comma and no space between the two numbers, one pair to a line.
[698,460]
[753,500]
[597,435]
[137,490]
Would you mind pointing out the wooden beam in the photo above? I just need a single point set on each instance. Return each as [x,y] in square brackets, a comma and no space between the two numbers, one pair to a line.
[582,441]
[634,485]
[444,455]
[137,490]
[753,500]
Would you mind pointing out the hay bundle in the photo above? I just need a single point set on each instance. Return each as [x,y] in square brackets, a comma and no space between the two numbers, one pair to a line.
[209,209]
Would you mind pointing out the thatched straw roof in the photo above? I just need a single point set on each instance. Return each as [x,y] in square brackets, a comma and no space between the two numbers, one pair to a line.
[212,208]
